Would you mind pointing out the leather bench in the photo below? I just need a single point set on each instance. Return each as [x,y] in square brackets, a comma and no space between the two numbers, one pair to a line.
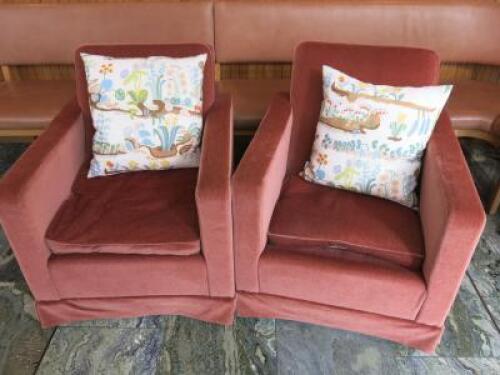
[475,110]
[251,99]
[50,33]
[27,107]
[459,31]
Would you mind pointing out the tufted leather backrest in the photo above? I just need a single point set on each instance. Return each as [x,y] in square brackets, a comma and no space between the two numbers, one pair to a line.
[50,33]
[269,31]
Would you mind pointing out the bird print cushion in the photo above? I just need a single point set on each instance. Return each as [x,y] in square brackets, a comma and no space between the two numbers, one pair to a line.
[147,112]
[370,138]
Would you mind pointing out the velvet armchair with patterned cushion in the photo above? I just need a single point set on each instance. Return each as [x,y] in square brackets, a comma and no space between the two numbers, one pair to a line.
[150,242]
[333,257]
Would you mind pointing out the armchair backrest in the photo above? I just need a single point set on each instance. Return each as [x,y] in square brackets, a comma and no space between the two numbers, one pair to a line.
[171,50]
[397,66]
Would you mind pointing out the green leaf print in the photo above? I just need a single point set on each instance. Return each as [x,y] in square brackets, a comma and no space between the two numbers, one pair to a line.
[120,94]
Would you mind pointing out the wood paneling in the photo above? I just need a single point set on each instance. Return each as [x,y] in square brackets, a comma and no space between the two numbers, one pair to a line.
[449,72]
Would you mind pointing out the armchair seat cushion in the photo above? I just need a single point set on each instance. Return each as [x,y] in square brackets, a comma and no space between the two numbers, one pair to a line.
[312,218]
[32,104]
[475,105]
[150,212]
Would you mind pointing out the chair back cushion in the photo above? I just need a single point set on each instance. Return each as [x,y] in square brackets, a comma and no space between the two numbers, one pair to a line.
[394,66]
[124,51]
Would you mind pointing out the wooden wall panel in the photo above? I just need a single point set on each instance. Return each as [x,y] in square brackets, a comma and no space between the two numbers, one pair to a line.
[449,72]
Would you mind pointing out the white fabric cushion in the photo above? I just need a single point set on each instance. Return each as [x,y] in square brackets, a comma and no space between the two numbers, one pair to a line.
[370,138]
[147,112]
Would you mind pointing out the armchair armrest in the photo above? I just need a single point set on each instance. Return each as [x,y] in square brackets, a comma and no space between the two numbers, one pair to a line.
[213,197]
[32,191]
[452,220]
[257,185]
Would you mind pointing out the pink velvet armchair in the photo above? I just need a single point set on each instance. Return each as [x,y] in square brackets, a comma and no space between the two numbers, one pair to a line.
[336,258]
[89,248]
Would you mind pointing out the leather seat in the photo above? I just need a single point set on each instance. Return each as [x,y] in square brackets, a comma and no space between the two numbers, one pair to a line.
[134,213]
[32,104]
[331,222]
[251,99]
[475,105]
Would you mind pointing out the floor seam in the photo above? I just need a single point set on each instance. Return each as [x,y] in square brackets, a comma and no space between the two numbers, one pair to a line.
[44,351]
[490,314]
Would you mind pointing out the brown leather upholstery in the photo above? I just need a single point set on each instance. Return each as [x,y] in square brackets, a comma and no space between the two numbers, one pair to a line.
[50,33]
[32,104]
[459,31]
[251,99]
[475,105]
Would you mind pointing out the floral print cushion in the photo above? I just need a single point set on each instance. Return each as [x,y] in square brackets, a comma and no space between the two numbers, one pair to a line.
[147,112]
[370,138]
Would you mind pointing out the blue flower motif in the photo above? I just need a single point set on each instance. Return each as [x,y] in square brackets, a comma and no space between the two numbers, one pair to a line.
[320,174]
[337,168]
[327,141]
[106,84]
[124,73]
[95,168]
[104,99]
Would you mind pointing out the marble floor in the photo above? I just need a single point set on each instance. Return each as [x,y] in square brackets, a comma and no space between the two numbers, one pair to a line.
[177,345]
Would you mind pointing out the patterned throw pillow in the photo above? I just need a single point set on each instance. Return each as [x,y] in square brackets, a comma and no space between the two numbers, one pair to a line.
[147,112]
[371,138]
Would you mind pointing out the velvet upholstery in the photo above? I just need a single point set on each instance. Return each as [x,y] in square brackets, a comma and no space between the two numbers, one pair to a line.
[215,310]
[256,188]
[335,219]
[150,212]
[406,332]
[109,275]
[32,191]
[45,198]
[452,221]
[213,197]
[278,218]
[357,284]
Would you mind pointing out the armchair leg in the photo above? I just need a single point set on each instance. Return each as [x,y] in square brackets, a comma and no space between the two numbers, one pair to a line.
[495,142]
[495,202]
